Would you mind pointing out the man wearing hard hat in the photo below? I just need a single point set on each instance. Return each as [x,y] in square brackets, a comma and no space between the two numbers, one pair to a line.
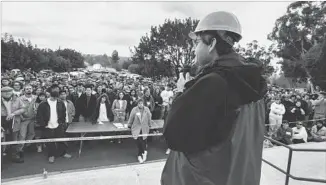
[215,127]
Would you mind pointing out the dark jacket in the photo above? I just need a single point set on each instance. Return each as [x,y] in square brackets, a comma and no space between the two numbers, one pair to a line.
[215,128]
[73,97]
[108,105]
[43,113]
[83,109]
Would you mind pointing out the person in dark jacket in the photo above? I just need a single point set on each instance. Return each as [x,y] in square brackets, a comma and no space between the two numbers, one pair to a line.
[158,104]
[51,115]
[201,123]
[103,100]
[85,105]
[284,133]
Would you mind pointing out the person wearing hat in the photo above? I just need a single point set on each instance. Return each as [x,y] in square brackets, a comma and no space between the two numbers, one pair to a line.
[139,122]
[11,110]
[318,132]
[218,120]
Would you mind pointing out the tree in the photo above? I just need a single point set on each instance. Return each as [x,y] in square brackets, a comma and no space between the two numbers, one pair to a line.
[169,44]
[133,68]
[126,64]
[255,51]
[302,27]
[76,59]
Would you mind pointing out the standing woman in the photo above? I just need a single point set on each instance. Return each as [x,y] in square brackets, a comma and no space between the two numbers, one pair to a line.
[139,123]
[131,103]
[158,104]
[103,110]
[119,108]
[38,129]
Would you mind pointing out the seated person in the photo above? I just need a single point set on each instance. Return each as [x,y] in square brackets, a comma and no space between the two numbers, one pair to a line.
[299,134]
[318,132]
[284,133]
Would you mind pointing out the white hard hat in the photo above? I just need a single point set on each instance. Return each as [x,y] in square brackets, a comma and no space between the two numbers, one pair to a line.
[220,21]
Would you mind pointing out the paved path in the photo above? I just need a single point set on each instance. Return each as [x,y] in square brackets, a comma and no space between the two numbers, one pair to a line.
[304,164]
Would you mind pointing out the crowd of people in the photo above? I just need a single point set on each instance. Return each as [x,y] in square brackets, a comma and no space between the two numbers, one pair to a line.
[296,116]
[42,105]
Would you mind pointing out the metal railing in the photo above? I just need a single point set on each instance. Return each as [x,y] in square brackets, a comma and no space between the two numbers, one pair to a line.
[288,168]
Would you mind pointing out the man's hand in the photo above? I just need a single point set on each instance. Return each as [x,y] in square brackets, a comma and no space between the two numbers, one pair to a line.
[11,116]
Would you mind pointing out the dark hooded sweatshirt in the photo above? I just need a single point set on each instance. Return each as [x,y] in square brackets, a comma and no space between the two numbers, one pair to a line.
[201,124]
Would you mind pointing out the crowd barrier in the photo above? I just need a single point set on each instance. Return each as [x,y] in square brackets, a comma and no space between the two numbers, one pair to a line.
[102,137]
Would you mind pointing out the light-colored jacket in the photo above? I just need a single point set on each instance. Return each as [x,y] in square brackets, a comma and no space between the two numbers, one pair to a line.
[71,111]
[320,108]
[140,122]
[277,111]
[300,133]
[29,113]
[320,133]
[116,106]
[17,107]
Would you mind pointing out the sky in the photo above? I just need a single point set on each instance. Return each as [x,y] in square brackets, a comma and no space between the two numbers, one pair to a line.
[101,27]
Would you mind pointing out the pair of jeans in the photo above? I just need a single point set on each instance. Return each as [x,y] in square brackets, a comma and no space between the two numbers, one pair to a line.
[56,149]
[10,135]
[27,132]
[141,145]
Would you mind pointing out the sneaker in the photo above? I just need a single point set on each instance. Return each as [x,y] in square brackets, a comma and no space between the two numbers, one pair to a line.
[51,159]
[168,151]
[39,149]
[140,159]
[144,155]
[67,156]
[119,141]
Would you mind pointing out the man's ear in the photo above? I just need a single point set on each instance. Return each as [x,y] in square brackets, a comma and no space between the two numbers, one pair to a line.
[212,45]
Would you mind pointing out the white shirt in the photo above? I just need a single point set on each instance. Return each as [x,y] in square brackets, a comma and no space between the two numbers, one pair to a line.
[300,133]
[121,103]
[166,96]
[53,122]
[66,104]
[102,113]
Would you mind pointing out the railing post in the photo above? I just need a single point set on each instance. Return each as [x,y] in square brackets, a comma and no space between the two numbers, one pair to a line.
[288,169]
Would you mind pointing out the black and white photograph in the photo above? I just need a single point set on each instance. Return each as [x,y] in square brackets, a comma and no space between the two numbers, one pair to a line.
[163,92]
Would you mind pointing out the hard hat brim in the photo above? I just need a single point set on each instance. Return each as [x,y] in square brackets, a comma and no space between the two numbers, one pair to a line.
[192,35]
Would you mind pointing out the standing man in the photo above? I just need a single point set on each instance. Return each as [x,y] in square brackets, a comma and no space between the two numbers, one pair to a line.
[51,114]
[27,129]
[215,127]
[86,105]
[166,95]
[11,110]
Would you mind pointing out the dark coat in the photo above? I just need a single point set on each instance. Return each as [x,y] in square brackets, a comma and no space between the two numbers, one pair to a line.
[215,128]
[108,105]
[43,113]
[83,109]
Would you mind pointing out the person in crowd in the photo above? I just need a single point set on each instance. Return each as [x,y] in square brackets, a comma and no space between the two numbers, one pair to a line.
[103,110]
[289,103]
[275,116]
[132,102]
[300,134]
[5,82]
[11,110]
[139,122]
[158,104]
[27,126]
[318,132]
[166,94]
[85,105]
[17,88]
[127,97]
[119,107]
[98,91]
[298,114]
[80,89]
[38,91]
[284,134]
[51,115]
[70,108]
[309,109]
[320,106]
[149,100]
[38,129]
[72,96]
